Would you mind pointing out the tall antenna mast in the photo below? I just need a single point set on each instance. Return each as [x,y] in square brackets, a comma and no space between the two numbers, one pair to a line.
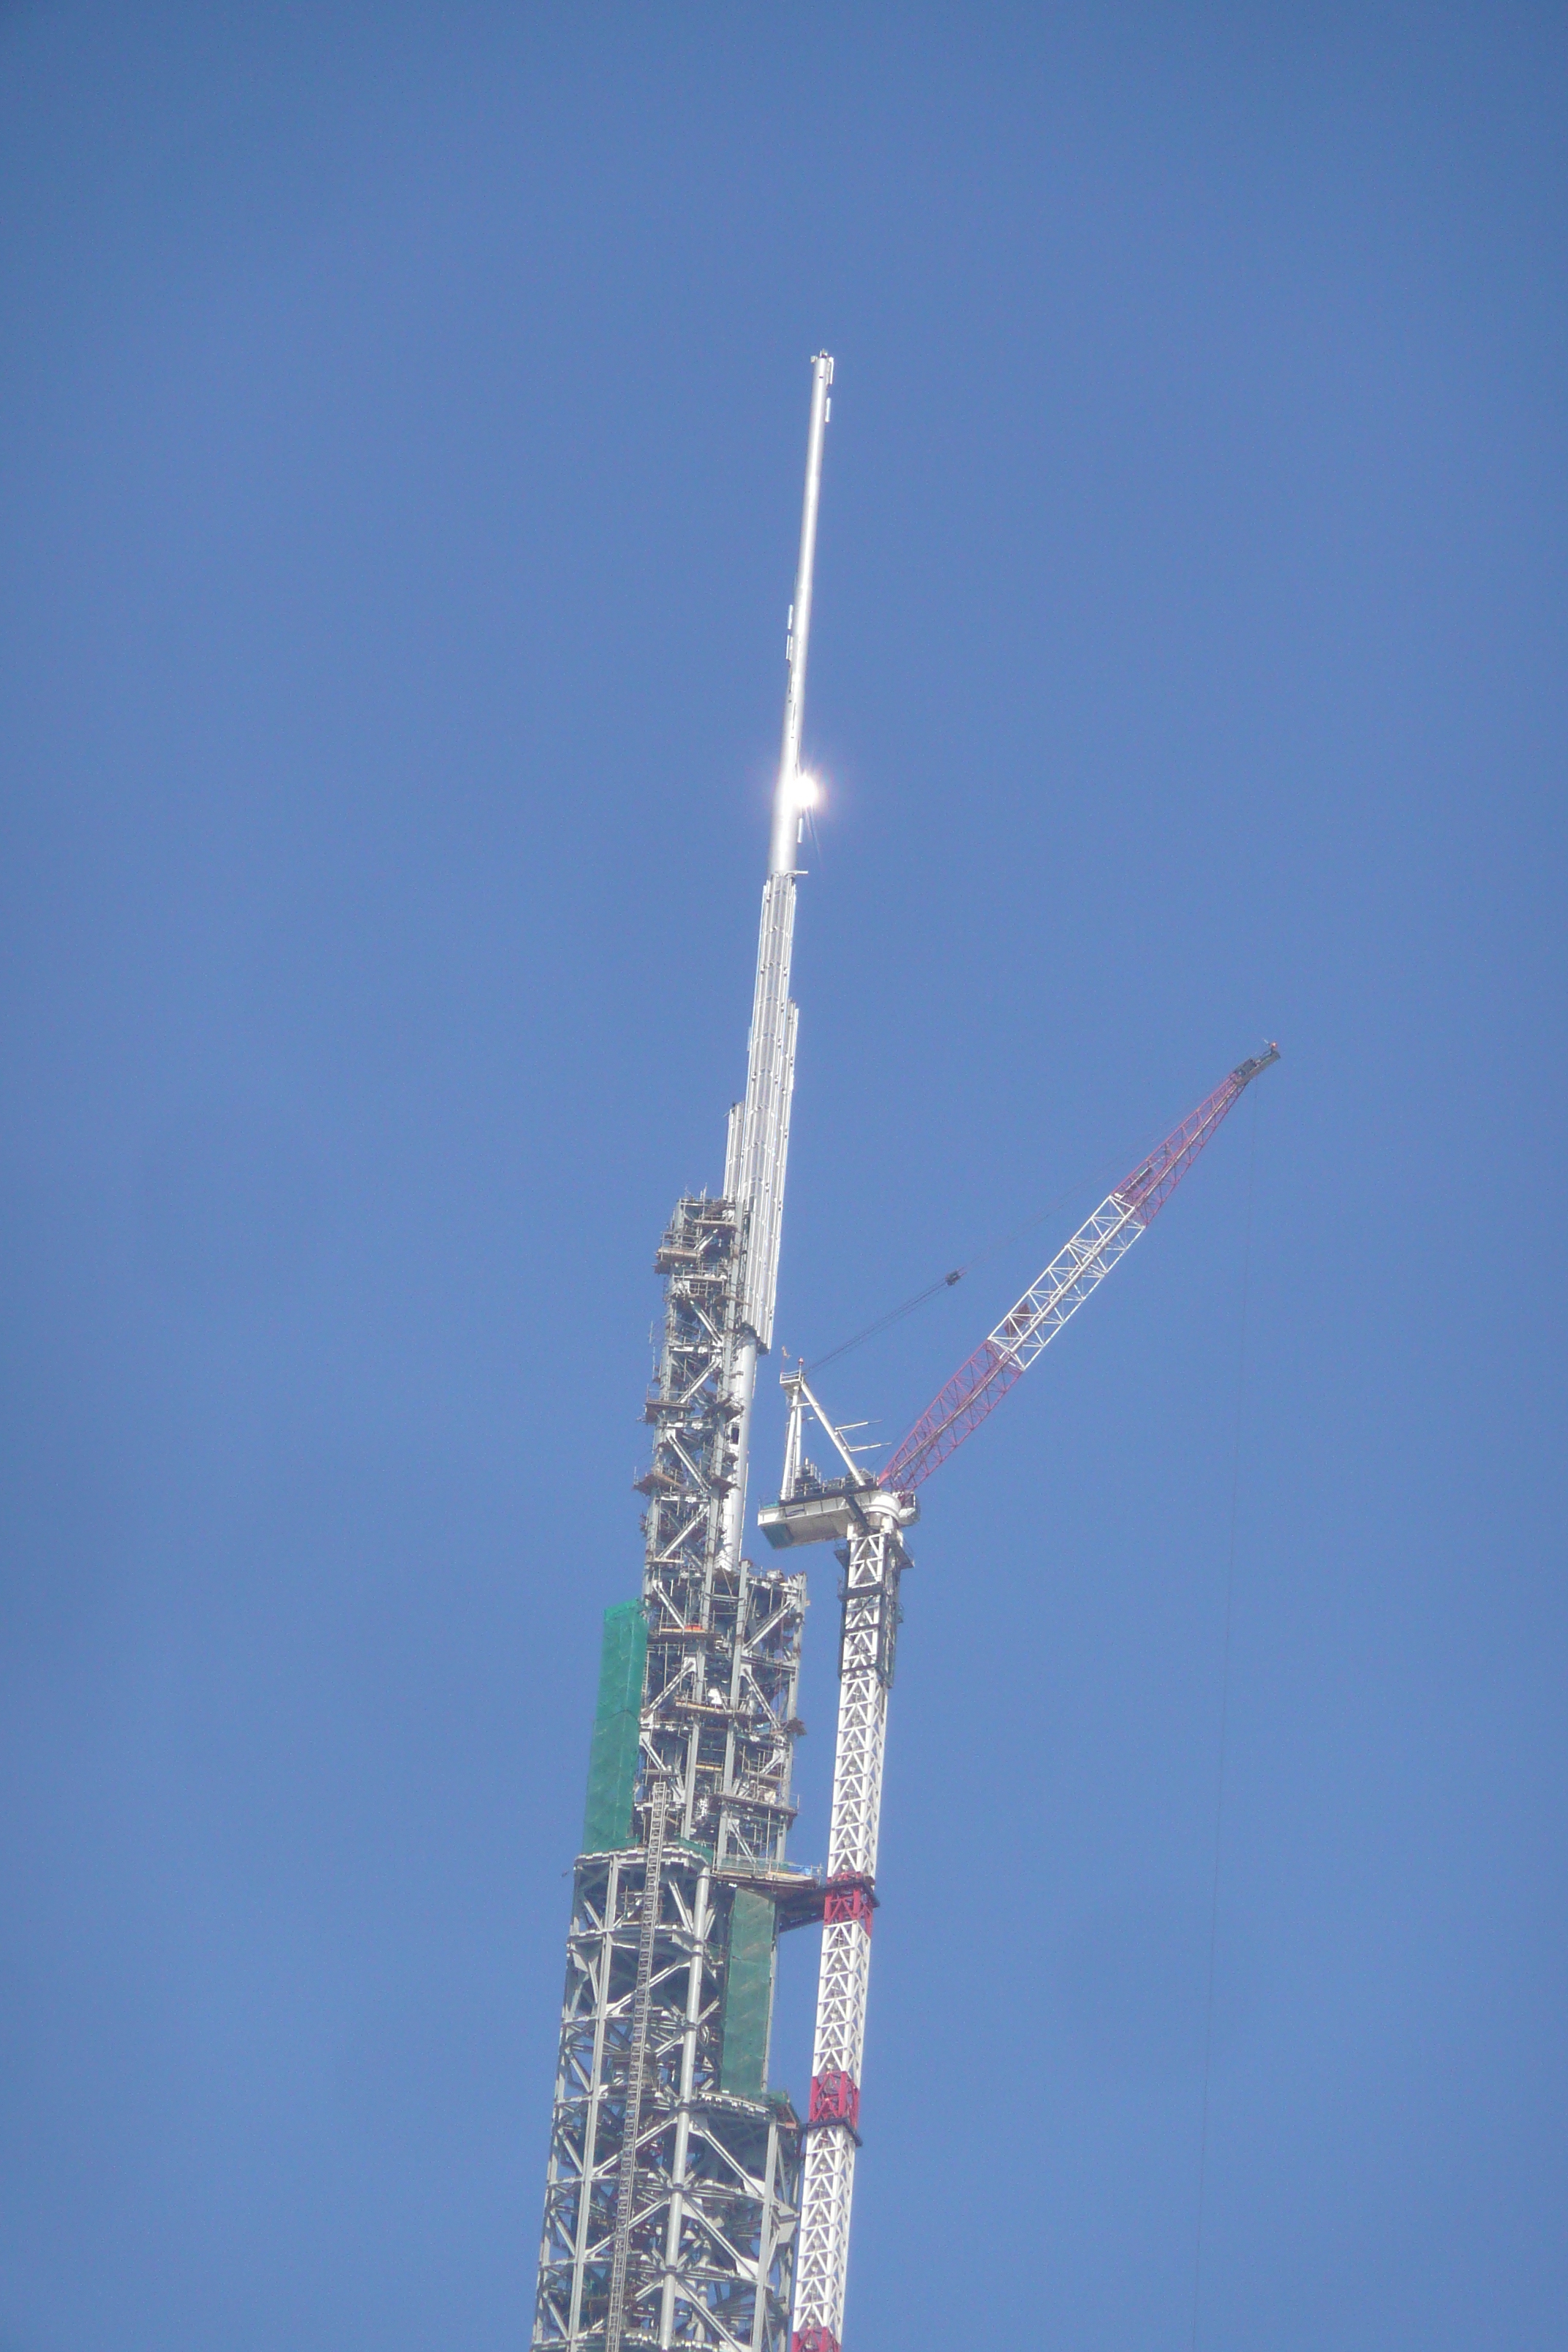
[759,1127]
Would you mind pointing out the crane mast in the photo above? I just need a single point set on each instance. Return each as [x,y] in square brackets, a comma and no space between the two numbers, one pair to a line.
[866,1518]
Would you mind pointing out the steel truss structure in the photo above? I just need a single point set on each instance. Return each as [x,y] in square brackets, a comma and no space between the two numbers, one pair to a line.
[1005,1356]
[723,1639]
[874,1559]
[673,2184]
[707,2209]
[715,2193]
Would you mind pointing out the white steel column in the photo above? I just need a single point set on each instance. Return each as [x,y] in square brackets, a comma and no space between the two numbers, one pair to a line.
[626,2177]
[681,2154]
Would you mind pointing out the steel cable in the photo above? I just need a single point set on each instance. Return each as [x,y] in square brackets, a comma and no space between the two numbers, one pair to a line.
[1224,1725]
[988,1250]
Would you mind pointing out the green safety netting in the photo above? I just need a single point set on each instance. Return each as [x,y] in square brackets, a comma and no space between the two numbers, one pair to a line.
[613,1756]
[748,1995]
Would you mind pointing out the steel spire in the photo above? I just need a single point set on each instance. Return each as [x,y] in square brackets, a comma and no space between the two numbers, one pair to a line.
[672,2198]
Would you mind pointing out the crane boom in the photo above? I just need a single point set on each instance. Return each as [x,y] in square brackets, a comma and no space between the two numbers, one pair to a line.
[1032,1323]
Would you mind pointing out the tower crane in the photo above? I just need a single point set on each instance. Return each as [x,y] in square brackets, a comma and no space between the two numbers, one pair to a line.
[866,1518]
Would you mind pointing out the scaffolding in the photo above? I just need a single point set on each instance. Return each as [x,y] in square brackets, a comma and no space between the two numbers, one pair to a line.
[696,1720]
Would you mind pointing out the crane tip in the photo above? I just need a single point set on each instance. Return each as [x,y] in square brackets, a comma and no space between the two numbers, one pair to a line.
[1245,1072]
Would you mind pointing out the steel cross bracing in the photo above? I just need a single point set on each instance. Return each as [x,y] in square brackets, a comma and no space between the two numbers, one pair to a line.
[678,2227]
[636,2073]
[874,1559]
[724,1637]
[708,2206]
[867,1524]
[715,2184]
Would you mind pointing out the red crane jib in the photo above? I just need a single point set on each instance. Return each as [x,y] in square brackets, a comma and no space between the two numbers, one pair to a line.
[980,1384]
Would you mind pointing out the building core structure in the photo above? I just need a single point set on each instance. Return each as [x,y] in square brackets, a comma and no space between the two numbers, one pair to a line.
[672,2194]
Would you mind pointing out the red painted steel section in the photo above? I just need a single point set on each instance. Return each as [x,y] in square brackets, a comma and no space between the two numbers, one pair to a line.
[979,1386]
[974,1389]
[845,1898]
[814,2339]
[834,2099]
[1148,1189]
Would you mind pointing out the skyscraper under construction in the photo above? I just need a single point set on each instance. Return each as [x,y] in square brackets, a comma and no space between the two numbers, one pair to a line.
[673,2190]
[687,2204]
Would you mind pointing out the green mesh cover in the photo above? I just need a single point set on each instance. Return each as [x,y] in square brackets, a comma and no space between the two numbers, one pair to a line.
[612,1758]
[748,1995]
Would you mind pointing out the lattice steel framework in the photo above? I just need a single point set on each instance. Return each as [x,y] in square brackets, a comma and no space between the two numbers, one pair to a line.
[874,1559]
[1032,1323]
[715,2192]
[715,2184]
[723,1654]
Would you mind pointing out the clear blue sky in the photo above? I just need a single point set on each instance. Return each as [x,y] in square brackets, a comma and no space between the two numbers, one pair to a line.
[400,441]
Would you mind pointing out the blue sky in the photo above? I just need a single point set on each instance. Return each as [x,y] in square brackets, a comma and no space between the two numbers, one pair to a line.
[400,444]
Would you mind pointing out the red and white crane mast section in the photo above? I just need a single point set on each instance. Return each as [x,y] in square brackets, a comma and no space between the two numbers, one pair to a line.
[866,1518]
[869,1522]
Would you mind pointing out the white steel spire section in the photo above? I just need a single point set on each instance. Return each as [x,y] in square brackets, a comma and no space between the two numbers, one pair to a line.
[797,635]
[759,1127]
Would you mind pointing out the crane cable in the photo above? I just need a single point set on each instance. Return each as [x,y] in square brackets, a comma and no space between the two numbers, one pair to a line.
[1223,1724]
